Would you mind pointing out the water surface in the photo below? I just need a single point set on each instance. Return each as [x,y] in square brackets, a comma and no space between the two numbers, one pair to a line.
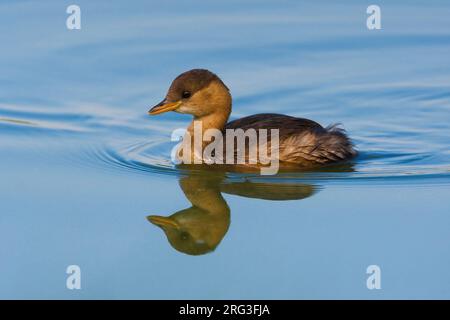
[84,169]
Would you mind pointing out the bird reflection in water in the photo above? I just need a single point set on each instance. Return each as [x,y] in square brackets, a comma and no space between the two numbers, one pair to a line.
[199,229]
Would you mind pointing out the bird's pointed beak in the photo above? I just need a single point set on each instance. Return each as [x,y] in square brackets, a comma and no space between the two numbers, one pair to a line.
[164,106]
[163,222]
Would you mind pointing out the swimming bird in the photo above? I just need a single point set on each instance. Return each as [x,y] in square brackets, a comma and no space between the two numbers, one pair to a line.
[303,143]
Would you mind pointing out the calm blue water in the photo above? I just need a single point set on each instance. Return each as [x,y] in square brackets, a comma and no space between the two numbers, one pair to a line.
[82,165]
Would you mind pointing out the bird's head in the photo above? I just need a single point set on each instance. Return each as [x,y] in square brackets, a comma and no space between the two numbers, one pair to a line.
[197,92]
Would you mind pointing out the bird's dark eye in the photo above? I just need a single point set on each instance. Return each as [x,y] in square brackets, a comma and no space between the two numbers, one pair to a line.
[186,94]
[184,235]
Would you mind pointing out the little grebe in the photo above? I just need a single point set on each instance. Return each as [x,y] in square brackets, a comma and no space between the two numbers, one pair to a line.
[302,142]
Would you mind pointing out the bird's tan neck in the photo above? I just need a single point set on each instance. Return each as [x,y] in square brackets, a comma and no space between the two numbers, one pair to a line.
[198,127]
[211,121]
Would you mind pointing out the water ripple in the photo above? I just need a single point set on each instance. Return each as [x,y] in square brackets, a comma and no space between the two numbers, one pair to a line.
[126,142]
[151,157]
